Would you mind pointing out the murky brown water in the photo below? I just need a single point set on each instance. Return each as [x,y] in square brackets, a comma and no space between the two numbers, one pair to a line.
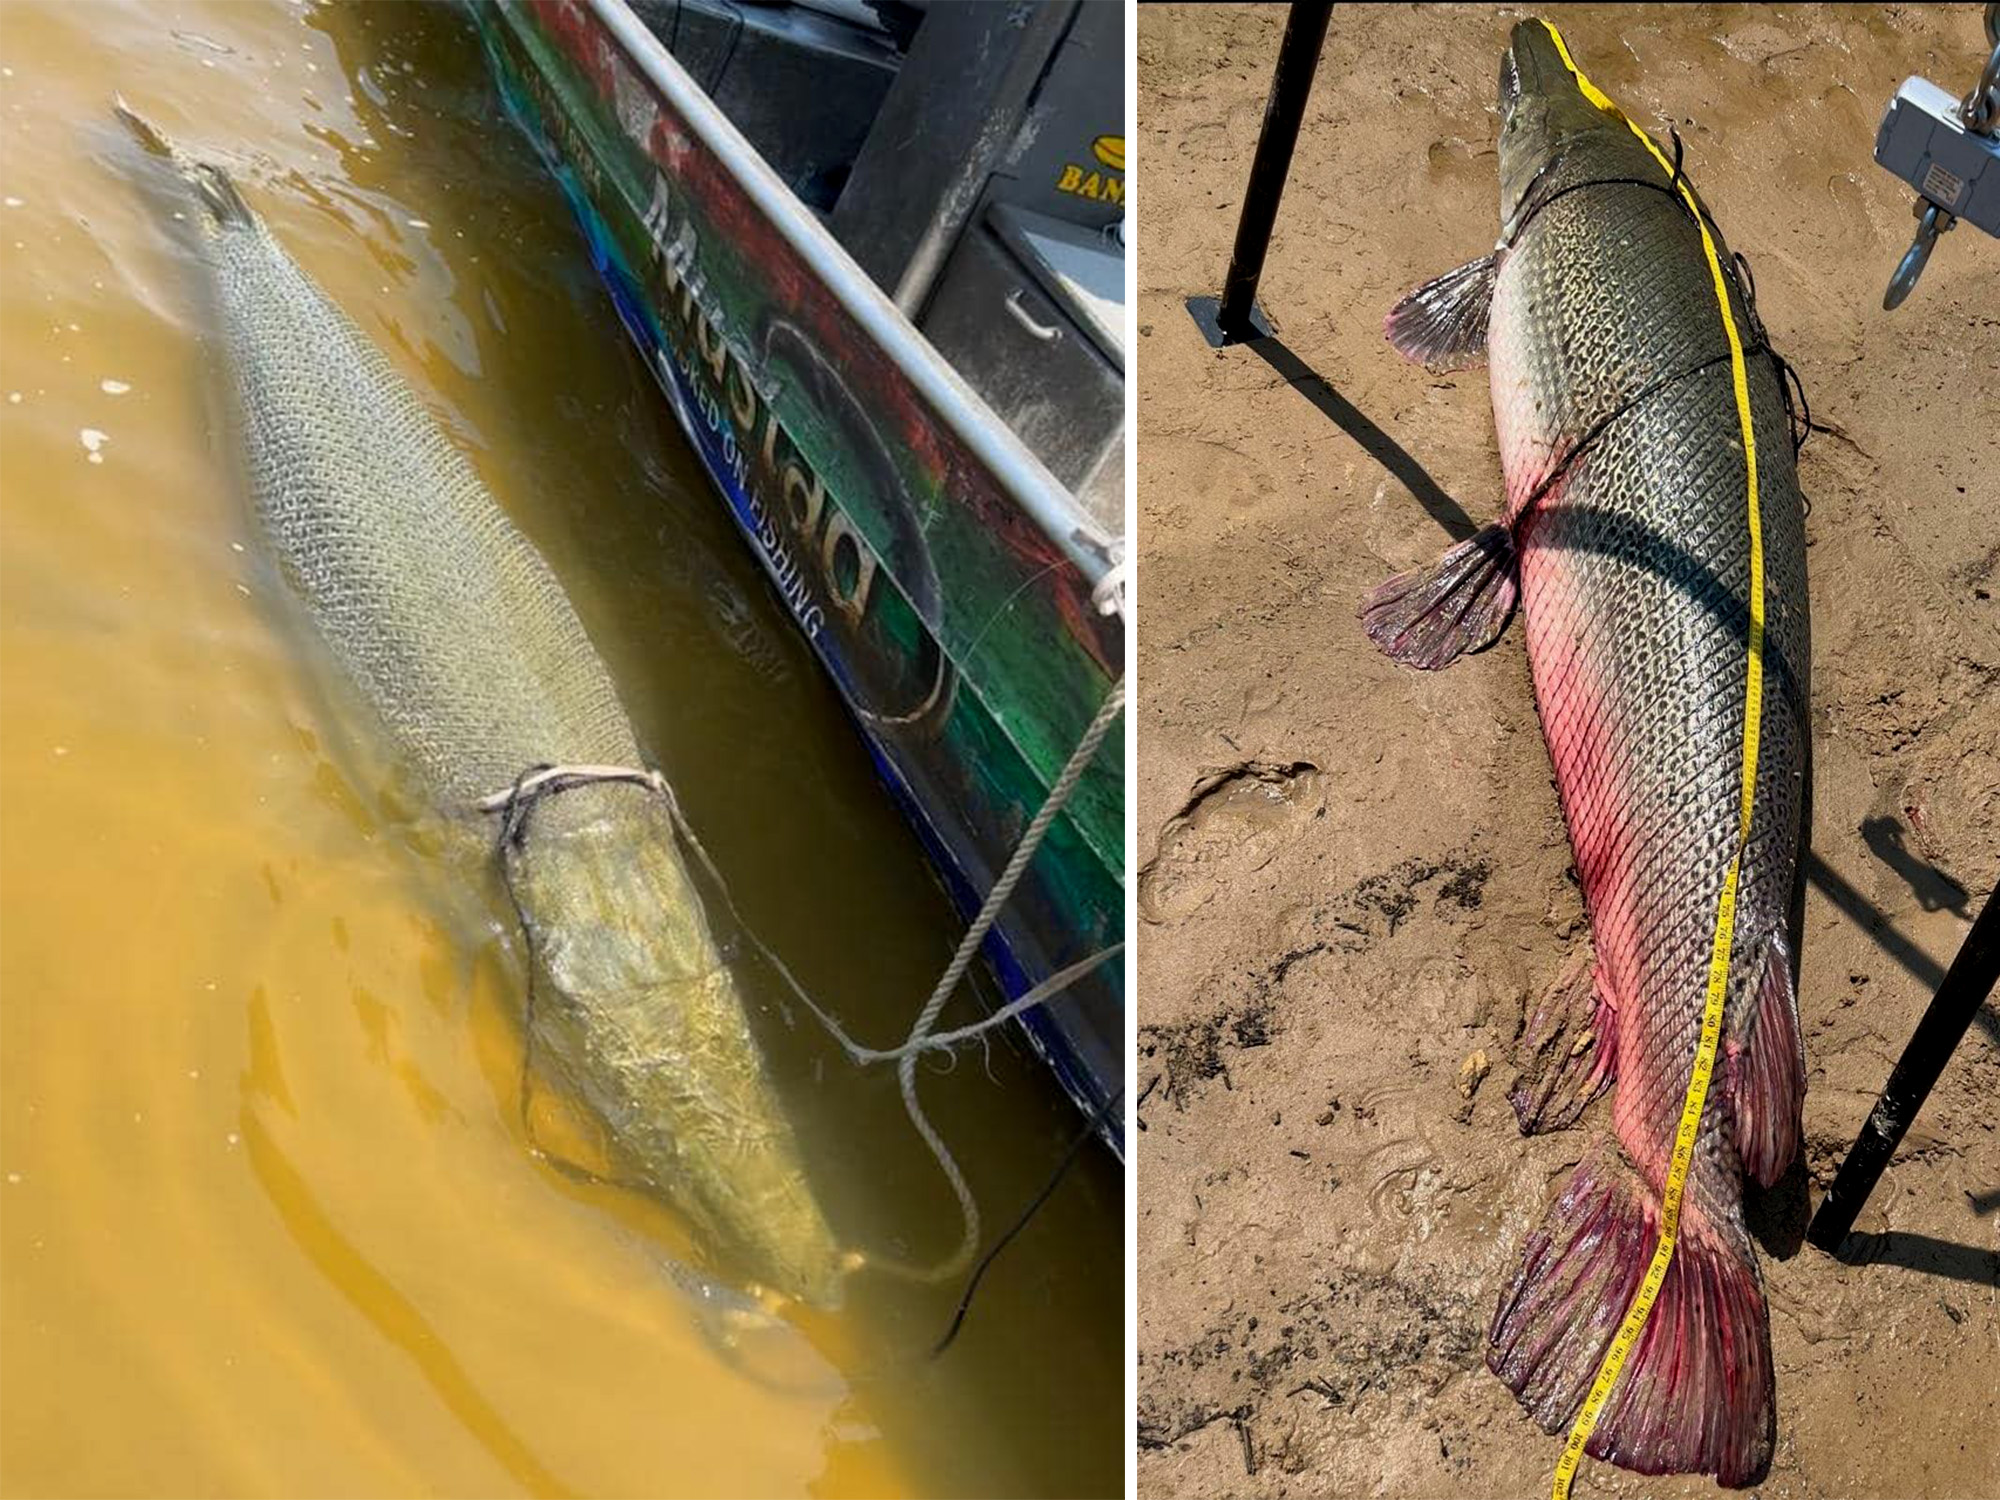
[268,1224]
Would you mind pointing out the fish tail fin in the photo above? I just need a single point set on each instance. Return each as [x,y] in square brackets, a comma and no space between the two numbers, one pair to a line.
[1695,1395]
[1428,617]
[217,193]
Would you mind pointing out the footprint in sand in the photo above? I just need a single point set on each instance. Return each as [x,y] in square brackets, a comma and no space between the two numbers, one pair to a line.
[1236,820]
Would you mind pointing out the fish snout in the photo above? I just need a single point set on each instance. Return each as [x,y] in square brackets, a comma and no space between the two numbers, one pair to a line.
[1533,64]
[1531,70]
[1510,83]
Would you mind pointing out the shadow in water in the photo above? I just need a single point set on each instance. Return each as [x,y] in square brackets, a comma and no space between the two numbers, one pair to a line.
[1379,446]
[1935,890]
[349,1272]
[1925,1253]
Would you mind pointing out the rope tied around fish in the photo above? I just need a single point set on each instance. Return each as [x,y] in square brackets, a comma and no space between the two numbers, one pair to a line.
[1798,412]
[515,807]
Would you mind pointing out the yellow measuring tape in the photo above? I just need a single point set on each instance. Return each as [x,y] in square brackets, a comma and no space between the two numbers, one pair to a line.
[1725,917]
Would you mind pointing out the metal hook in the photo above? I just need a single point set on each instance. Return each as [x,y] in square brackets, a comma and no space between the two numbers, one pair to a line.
[1934,223]
[1982,105]
[1925,108]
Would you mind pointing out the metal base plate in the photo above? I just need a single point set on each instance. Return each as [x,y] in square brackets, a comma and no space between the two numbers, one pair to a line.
[1206,312]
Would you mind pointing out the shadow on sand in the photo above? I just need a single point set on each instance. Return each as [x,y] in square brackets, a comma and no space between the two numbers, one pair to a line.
[1379,446]
[1922,1252]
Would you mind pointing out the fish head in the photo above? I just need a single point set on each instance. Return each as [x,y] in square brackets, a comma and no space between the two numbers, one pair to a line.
[646,1024]
[1546,116]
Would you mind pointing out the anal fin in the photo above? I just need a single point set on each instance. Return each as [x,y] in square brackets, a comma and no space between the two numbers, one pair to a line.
[1764,1068]
[1442,324]
[1429,617]
[1569,1052]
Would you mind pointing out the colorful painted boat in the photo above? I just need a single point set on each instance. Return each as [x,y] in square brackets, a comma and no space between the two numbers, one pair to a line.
[962,599]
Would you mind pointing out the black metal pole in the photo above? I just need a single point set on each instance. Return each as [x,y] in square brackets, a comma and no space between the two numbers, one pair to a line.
[1967,983]
[1235,318]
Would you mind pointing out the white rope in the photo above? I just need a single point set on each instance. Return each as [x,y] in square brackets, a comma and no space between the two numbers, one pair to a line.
[1017,865]
[536,780]
[944,1041]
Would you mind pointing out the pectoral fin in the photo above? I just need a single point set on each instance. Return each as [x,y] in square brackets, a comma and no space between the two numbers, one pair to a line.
[1442,324]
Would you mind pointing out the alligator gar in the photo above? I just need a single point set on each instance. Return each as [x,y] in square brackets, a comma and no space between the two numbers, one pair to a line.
[1653,540]
[462,641]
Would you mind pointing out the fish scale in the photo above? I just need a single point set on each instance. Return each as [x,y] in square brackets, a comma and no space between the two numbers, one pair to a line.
[1626,544]
[446,617]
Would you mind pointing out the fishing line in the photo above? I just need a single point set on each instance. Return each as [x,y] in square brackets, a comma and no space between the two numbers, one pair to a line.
[516,806]
[1746,288]
[1798,416]
[1076,1145]
[1597,428]
[1798,410]
[1535,208]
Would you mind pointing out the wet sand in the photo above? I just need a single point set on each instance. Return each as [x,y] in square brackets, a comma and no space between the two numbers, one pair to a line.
[1355,877]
